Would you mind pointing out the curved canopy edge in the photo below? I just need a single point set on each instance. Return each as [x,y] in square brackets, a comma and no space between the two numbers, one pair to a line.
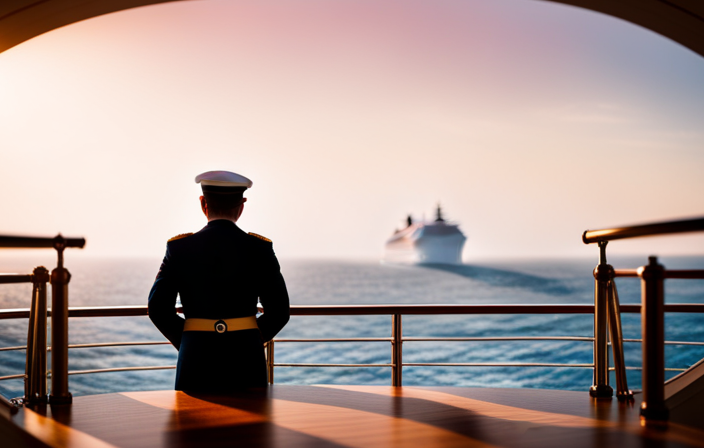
[21,20]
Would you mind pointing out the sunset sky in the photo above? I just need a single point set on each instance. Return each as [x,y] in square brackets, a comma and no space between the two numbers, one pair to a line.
[529,121]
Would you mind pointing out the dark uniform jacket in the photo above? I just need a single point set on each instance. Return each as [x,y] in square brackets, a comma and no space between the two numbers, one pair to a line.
[219,273]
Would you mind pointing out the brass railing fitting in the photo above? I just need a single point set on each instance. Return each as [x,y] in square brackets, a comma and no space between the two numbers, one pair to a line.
[653,333]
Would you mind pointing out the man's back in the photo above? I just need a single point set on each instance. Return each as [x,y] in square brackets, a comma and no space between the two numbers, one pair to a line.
[220,273]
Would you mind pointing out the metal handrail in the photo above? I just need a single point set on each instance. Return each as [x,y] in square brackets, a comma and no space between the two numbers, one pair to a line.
[356,310]
[348,310]
[659,228]
[667,369]
[499,339]
[667,342]
[336,340]
[494,364]
[607,310]
[303,364]
[325,310]
[35,383]
[34,242]
[670,273]
[12,377]
[120,369]
[15,278]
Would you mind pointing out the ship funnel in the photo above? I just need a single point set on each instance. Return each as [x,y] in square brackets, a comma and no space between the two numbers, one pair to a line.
[439,217]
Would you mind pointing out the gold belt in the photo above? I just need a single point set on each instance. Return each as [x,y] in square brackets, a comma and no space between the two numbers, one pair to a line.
[221,325]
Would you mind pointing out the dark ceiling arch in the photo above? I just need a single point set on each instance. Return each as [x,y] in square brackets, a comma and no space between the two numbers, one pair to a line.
[21,20]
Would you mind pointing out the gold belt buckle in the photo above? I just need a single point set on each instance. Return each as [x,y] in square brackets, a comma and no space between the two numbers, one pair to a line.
[220,326]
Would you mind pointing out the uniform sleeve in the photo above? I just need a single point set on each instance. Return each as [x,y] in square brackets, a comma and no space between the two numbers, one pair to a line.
[273,296]
[162,303]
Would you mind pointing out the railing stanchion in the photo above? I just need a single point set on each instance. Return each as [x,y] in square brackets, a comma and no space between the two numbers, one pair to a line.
[35,368]
[653,334]
[396,351]
[616,336]
[603,274]
[270,361]
[60,278]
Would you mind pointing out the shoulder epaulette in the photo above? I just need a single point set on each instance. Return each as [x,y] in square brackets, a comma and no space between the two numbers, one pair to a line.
[178,237]
[260,237]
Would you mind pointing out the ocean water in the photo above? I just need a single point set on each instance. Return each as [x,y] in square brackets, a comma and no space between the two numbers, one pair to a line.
[101,282]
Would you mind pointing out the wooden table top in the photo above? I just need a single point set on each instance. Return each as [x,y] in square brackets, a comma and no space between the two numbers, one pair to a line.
[349,416]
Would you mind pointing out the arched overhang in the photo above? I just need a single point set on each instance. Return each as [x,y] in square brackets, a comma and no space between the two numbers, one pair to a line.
[21,20]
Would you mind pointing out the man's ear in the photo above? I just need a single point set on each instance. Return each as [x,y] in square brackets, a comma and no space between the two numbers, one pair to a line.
[204,206]
[240,208]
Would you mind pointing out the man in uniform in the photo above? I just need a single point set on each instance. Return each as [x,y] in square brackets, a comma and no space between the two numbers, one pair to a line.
[220,272]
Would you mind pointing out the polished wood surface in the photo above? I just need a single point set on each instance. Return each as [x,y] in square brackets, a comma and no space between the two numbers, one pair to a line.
[350,416]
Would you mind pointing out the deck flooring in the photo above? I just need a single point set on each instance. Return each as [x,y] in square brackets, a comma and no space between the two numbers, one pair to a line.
[350,416]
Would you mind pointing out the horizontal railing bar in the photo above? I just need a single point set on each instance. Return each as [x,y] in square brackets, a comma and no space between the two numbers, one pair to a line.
[500,338]
[333,310]
[492,364]
[411,364]
[99,344]
[669,273]
[668,342]
[15,278]
[361,310]
[119,344]
[342,310]
[108,311]
[659,228]
[329,365]
[690,273]
[407,339]
[14,313]
[683,308]
[667,369]
[12,377]
[9,349]
[34,242]
[337,340]
[669,308]
[120,369]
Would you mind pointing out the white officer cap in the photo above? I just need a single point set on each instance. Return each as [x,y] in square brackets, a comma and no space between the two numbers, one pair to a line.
[225,179]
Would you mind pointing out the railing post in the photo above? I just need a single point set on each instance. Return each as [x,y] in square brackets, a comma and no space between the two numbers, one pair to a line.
[653,334]
[603,274]
[396,351]
[59,331]
[35,368]
[270,361]
[616,336]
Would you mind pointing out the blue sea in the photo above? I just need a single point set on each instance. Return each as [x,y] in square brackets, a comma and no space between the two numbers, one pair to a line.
[102,282]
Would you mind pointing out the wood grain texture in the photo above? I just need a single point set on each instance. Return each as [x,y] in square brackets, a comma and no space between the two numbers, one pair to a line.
[351,416]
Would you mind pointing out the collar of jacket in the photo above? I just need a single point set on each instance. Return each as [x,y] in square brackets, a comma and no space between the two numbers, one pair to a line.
[221,223]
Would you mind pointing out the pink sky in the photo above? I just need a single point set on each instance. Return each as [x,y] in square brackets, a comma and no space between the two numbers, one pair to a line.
[530,121]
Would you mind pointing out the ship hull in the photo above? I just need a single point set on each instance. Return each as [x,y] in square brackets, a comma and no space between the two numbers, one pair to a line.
[419,243]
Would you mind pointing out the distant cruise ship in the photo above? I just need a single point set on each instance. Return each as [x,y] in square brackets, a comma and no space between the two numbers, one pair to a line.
[426,242]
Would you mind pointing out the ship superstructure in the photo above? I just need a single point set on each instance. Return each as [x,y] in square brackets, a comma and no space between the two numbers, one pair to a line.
[438,241]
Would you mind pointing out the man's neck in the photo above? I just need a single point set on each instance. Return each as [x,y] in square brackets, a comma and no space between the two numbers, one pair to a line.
[226,218]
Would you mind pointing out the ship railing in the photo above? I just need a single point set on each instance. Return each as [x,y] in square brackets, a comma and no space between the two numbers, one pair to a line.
[35,367]
[607,315]
[395,312]
[606,311]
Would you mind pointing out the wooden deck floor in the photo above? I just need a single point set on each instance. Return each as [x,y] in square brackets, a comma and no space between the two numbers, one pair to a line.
[349,416]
